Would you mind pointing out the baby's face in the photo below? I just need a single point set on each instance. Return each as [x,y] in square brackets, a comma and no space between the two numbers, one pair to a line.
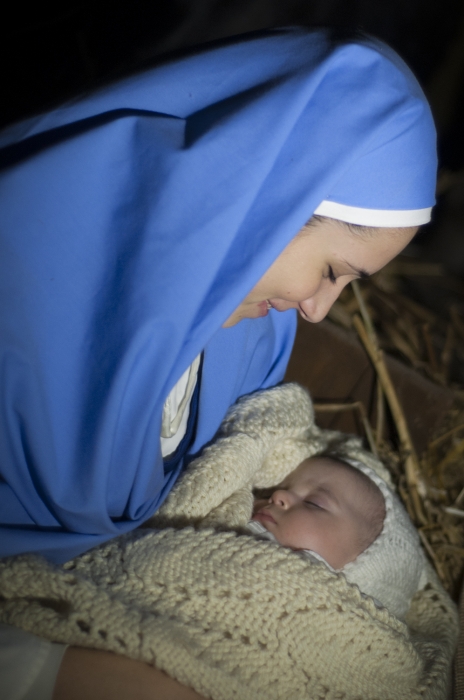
[319,506]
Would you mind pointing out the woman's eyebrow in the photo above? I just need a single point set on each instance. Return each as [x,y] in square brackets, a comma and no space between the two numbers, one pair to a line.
[363,274]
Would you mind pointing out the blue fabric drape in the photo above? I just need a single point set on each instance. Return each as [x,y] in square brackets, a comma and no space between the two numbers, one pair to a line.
[134,220]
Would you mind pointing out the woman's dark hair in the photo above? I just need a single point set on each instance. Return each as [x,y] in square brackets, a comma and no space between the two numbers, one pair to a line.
[354,228]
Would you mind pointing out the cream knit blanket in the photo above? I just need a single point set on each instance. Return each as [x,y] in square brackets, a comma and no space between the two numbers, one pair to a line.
[232,616]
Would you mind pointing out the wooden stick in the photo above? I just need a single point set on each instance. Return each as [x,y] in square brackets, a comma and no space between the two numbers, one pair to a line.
[454,511]
[454,548]
[401,343]
[415,308]
[351,306]
[418,269]
[445,436]
[355,405]
[386,298]
[364,312]
[334,407]
[407,326]
[406,498]
[413,476]
[429,347]
[379,428]
[459,498]
[452,456]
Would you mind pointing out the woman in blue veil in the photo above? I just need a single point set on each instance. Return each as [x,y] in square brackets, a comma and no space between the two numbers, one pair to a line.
[152,234]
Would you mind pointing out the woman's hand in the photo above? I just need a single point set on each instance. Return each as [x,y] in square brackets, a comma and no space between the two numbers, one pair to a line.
[89,674]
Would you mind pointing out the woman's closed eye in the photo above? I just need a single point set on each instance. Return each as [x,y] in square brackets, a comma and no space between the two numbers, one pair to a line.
[331,275]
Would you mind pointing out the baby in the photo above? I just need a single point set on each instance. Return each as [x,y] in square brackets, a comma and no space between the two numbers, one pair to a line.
[319,493]
[325,506]
[340,511]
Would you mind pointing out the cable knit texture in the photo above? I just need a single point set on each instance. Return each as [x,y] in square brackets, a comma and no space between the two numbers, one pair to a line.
[226,613]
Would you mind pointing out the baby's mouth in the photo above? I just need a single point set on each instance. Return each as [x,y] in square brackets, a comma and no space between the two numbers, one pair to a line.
[264,516]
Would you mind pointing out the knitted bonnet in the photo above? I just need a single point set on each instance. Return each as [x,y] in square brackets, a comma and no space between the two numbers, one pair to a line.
[392,568]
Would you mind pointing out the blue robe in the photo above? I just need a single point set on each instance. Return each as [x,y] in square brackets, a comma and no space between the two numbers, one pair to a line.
[134,220]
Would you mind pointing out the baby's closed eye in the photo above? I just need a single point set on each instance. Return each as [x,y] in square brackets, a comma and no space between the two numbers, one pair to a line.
[313,504]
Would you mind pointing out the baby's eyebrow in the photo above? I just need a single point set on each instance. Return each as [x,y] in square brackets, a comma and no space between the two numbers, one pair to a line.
[327,491]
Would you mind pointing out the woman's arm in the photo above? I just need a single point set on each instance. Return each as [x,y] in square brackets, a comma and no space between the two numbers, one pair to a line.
[89,674]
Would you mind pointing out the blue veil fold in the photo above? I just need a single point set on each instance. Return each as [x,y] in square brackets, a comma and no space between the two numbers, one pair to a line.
[134,221]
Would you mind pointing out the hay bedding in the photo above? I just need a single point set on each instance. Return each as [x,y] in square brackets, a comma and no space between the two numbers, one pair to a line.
[431,343]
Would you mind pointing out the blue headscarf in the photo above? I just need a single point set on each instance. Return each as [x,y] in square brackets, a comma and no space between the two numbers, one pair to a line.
[136,219]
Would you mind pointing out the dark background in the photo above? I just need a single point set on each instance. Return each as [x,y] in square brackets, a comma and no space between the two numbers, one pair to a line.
[52,54]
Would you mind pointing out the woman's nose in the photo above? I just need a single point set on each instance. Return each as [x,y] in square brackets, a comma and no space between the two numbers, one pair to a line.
[281,498]
[316,308]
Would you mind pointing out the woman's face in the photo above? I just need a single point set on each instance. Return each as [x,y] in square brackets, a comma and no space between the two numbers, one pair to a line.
[316,265]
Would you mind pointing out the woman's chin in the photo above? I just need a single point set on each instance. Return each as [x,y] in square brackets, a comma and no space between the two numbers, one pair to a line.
[256,310]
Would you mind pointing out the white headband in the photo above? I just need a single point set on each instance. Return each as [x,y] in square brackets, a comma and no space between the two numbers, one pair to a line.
[387,218]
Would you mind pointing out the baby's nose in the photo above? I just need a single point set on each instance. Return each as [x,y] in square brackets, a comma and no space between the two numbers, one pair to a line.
[281,498]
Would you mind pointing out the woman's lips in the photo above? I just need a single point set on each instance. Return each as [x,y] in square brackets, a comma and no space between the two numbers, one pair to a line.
[279,305]
[265,516]
[263,308]
[303,314]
